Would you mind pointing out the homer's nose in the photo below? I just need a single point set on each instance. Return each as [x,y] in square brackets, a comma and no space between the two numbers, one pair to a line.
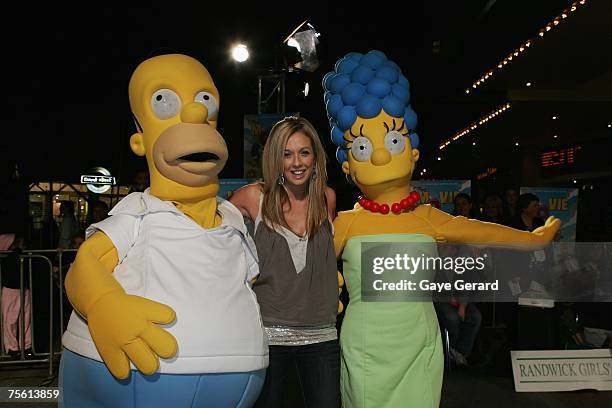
[380,157]
[194,113]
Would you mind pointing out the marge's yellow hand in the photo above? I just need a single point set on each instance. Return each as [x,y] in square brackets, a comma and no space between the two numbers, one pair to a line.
[340,285]
[547,232]
[126,327]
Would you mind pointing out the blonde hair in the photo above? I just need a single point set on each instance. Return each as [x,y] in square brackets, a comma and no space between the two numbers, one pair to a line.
[274,195]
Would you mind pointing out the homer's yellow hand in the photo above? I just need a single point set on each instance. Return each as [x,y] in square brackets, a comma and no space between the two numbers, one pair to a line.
[122,326]
[340,285]
[547,232]
[126,327]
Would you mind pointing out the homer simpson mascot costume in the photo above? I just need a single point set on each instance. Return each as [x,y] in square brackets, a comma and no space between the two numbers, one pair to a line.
[164,283]
[391,351]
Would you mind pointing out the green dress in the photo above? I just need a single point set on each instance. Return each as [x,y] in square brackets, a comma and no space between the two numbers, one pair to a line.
[391,351]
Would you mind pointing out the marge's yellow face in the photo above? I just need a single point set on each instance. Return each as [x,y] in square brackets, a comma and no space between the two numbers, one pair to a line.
[379,151]
[176,105]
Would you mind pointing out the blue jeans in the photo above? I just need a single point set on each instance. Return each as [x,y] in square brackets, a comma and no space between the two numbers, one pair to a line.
[88,383]
[462,333]
[318,369]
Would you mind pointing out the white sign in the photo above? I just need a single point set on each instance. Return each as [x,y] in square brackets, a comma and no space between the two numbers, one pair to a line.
[97,180]
[98,183]
[562,370]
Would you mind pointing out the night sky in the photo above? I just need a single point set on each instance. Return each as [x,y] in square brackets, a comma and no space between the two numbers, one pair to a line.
[67,70]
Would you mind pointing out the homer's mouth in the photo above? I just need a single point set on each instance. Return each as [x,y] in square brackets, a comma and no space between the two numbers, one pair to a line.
[199,157]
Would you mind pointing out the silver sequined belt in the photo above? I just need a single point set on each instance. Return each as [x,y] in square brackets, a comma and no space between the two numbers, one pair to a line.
[300,336]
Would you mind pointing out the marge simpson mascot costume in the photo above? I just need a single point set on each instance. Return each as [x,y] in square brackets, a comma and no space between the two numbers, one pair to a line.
[164,282]
[391,351]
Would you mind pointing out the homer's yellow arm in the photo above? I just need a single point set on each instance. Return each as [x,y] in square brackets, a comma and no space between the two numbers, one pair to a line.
[122,326]
[463,230]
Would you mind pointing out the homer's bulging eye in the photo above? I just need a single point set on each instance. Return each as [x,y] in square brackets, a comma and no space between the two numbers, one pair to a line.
[207,99]
[165,103]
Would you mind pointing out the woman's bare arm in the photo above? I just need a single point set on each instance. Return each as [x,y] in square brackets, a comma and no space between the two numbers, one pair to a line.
[246,199]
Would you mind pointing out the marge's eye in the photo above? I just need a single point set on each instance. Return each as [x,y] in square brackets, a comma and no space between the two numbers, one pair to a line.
[395,142]
[361,148]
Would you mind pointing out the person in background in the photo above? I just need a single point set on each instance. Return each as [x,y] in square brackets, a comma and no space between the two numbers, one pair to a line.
[527,213]
[69,225]
[463,206]
[99,211]
[510,203]
[493,209]
[68,259]
[297,288]
[11,299]
[140,182]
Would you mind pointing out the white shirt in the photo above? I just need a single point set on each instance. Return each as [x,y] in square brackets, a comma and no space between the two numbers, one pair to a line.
[203,274]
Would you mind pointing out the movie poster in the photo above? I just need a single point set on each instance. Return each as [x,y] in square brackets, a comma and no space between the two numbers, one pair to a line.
[256,131]
[561,203]
[228,185]
[441,193]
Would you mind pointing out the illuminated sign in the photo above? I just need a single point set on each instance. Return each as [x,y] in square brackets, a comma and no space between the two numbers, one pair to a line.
[98,180]
[560,157]
[98,183]
[489,171]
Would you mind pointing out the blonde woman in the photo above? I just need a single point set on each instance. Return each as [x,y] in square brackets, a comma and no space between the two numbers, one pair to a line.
[297,288]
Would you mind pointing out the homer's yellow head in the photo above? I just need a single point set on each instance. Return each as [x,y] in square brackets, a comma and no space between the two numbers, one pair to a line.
[367,101]
[176,104]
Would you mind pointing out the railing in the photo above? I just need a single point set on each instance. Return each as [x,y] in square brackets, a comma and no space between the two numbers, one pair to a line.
[26,262]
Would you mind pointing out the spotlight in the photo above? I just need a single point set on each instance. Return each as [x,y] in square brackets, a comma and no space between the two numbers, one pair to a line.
[240,53]
[555,136]
[528,84]
[554,118]
[304,39]
[516,144]
[439,158]
[306,89]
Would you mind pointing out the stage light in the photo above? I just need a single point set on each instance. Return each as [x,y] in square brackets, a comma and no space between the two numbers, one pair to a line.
[554,118]
[610,125]
[304,39]
[306,89]
[555,136]
[240,53]
[516,144]
[439,158]
[528,84]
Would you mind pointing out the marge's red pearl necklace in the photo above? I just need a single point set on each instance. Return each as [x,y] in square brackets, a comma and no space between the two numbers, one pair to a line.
[407,203]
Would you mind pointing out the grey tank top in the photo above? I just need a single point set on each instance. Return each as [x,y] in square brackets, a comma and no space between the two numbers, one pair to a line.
[286,296]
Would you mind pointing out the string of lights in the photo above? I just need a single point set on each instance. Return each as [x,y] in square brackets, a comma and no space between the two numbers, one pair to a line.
[524,46]
[475,124]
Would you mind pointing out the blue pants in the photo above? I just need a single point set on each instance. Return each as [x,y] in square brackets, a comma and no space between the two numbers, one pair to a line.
[462,333]
[84,382]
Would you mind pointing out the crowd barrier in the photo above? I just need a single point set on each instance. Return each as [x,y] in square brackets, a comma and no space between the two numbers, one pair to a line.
[46,270]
